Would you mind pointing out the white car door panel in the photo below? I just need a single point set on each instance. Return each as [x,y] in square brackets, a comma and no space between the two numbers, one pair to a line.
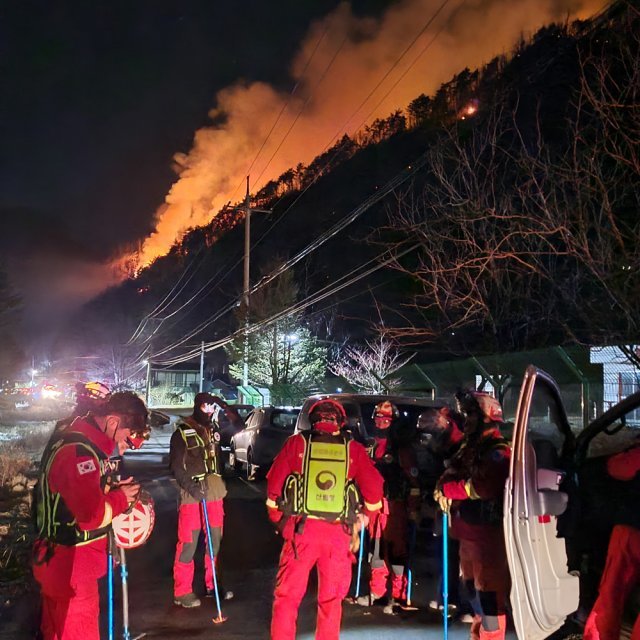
[543,593]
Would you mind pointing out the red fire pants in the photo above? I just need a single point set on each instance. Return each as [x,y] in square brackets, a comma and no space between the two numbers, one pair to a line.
[72,618]
[190,523]
[389,550]
[69,589]
[621,574]
[325,546]
[484,568]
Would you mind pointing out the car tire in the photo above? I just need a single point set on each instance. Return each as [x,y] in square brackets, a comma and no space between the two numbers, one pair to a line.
[234,463]
[252,469]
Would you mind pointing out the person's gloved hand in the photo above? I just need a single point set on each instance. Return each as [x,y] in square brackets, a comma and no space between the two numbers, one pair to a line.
[197,492]
[443,502]
[363,520]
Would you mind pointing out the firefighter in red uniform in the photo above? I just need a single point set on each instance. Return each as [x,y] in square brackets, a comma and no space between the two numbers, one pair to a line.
[472,488]
[389,530]
[74,507]
[440,436]
[196,462]
[313,491]
[622,568]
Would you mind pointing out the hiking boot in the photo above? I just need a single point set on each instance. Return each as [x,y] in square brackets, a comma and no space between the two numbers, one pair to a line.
[368,601]
[188,601]
[389,608]
[224,595]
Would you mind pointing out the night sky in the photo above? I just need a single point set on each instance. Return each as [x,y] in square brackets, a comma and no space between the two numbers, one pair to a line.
[97,98]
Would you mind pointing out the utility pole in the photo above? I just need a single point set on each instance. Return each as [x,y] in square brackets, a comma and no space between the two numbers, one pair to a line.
[245,284]
[147,391]
[201,366]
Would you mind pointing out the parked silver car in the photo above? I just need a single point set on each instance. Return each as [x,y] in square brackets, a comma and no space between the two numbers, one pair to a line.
[266,430]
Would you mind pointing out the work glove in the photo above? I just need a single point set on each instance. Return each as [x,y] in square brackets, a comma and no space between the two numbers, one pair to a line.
[196,491]
[443,502]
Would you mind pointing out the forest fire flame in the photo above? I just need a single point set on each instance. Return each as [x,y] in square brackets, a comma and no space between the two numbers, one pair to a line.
[336,50]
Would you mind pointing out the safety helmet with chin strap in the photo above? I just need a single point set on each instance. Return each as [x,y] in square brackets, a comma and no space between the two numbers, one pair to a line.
[327,410]
[90,396]
[481,403]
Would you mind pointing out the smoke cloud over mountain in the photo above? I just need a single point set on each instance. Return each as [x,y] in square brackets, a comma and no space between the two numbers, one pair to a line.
[349,70]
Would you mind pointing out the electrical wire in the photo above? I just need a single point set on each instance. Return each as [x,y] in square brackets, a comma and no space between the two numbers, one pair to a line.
[284,107]
[272,276]
[342,128]
[339,226]
[296,308]
[286,135]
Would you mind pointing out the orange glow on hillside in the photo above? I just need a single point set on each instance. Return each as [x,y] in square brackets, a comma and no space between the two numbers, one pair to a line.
[352,56]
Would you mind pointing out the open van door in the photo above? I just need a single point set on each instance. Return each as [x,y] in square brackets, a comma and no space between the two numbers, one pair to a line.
[543,592]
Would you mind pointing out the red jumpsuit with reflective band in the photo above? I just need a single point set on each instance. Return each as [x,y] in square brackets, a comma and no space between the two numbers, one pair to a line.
[320,543]
[622,568]
[68,581]
[187,463]
[477,474]
[389,530]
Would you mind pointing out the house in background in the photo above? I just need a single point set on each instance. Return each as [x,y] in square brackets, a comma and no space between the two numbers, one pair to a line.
[174,386]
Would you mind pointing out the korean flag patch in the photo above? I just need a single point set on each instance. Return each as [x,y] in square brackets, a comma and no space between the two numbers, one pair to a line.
[86,467]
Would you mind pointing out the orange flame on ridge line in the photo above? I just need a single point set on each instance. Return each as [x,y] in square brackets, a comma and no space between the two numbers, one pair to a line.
[213,171]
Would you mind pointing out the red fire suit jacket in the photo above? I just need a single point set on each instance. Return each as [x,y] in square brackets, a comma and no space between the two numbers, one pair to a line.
[477,474]
[76,476]
[403,472]
[290,460]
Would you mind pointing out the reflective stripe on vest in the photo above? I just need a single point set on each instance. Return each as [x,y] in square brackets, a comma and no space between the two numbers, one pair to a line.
[53,519]
[193,440]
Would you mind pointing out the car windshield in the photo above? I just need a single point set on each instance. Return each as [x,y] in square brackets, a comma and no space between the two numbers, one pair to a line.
[285,419]
[616,437]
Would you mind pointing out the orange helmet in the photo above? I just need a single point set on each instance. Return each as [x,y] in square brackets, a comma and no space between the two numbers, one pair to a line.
[326,411]
[386,409]
[480,402]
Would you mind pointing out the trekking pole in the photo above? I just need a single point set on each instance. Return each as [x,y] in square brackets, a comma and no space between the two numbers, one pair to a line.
[124,574]
[219,619]
[125,595]
[412,545]
[445,573]
[360,554]
[110,584]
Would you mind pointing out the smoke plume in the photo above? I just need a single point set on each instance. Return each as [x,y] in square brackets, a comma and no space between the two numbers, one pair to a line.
[341,60]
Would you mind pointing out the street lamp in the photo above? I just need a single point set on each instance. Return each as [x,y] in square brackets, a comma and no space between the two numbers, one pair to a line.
[33,375]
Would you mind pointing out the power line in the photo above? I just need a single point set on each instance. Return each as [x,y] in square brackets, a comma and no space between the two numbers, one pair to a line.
[424,27]
[342,128]
[293,309]
[339,226]
[284,107]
